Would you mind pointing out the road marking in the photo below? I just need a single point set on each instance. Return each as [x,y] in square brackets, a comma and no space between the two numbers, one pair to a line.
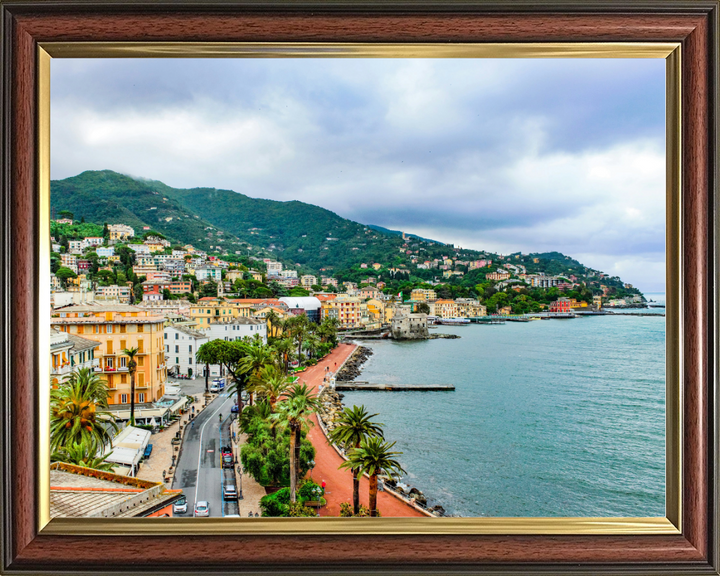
[202,431]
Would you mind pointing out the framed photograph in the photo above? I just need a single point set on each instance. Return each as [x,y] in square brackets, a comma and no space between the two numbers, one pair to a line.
[679,35]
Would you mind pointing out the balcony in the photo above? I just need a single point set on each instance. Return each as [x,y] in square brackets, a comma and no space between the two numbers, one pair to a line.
[62,369]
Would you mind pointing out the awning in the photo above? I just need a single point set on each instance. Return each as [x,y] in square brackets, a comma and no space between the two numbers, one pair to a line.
[140,413]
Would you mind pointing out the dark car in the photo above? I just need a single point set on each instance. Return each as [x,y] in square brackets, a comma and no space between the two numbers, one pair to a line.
[235,409]
[227,461]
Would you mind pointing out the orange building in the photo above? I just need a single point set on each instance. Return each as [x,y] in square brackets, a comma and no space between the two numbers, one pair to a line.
[118,327]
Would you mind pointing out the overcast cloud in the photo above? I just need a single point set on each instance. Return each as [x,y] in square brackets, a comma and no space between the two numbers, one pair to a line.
[499,155]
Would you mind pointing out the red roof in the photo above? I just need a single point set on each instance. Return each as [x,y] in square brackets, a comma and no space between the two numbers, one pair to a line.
[325,297]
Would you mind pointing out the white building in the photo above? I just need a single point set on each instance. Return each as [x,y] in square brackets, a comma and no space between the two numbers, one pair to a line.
[76,246]
[181,346]
[208,273]
[238,329]
[103,252]
[288,274]
[274,268]
[94,241]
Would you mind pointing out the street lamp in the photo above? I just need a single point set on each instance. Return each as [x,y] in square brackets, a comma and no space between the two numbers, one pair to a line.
[312,465]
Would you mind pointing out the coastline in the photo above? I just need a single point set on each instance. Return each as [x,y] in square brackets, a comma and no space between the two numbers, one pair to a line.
[332,404]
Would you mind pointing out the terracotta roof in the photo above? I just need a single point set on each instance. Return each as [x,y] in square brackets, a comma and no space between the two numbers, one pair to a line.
[79,343]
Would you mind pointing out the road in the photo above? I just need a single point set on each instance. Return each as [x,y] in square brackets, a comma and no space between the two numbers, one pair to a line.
[199,469]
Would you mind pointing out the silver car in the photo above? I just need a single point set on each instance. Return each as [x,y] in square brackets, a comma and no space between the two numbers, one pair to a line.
[180,506]
[202,508]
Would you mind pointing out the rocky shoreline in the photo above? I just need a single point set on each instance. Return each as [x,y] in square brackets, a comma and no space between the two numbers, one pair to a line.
[353,365]
[331,405]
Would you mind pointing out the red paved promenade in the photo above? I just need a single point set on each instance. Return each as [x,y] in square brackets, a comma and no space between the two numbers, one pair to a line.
[327,461]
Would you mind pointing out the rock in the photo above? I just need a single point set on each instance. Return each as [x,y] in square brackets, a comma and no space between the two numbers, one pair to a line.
[439,510]
[415,491]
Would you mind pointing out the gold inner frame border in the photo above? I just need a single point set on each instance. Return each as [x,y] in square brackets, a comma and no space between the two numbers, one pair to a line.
[670,524]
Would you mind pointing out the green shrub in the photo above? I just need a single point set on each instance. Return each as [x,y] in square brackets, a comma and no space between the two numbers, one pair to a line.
[277,504]
[309,490]
[297,510]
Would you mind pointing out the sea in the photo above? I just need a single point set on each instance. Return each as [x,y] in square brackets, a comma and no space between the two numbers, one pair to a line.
[549,418]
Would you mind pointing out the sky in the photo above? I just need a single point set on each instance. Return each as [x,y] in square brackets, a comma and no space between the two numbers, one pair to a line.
[500,155]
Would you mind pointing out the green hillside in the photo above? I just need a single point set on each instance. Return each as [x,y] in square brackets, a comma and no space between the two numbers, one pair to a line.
[108,197]
[227,223]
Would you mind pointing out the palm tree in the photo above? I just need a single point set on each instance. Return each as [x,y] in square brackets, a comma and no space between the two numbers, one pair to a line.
[284,349]
[274,324]
[312,343]
[271,383]
[352,427]
[301,329]
[258,355]
[83,453]
[132,366]
[373,457]
[300,402]
[74,413]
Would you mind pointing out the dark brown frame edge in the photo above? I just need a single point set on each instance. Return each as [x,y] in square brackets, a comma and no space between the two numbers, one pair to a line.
[694,23]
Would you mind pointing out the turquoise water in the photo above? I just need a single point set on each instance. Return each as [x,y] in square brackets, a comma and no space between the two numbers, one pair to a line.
[549,418]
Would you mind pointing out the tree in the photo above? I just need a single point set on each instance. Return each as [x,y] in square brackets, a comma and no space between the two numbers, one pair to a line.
[270,383]
[284,349]
[312,343]
[64,274]
[85,454]
[274,324]
[373,458]
[209,288]
[422,308]
[138,292]
[295,411]
[167,295]
[76,411]
[106,231]
[352,427]
[67,214]
[132,366]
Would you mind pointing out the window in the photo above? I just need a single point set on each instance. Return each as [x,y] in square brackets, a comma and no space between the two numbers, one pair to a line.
[123,344]
[123,378]
[140,361]
[165,336]
[109,345]
[141,379]
[177,360]
[167,348]
[176,335]
[177,349]
[141,397]
[109,328]
[141,346]
[122,329]
[123,398]
[123,362]
[190,349]
[141,328]
[190,361]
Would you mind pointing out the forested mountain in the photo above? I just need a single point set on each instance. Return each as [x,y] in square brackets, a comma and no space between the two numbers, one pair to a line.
[298,234]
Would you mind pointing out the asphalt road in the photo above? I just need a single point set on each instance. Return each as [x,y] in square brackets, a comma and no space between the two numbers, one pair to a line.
[199,470]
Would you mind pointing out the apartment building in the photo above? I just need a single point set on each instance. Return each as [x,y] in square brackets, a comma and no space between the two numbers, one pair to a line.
[117,327]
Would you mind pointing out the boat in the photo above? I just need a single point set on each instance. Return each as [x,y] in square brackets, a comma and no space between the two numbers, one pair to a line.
[453,321]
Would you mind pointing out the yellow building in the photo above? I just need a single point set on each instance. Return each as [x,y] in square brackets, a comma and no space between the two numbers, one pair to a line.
[422,295]
[117,327]
[446,309]
[216,311]
[376,311]
[345,308]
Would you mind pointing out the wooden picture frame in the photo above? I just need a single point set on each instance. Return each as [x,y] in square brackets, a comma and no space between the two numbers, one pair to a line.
[30,547]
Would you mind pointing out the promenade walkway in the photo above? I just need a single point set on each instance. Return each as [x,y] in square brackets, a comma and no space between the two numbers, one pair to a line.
[327,461]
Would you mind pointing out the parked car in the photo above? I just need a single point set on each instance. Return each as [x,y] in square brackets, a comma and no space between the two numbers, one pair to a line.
[226,450]
[235,409]
[214,388]
[229,492]
[227,461]
[180,506]
[202,508]
[148,451]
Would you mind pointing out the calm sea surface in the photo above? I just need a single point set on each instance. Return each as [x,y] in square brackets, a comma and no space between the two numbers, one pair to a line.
[549,418]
